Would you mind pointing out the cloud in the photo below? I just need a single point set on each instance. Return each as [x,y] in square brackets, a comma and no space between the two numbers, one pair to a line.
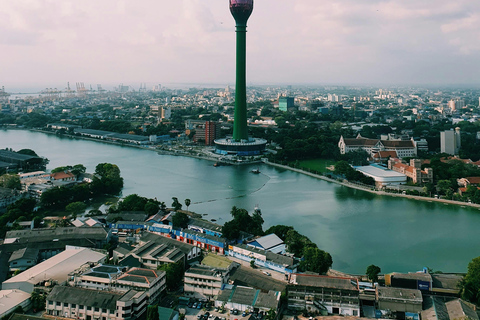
[194,40]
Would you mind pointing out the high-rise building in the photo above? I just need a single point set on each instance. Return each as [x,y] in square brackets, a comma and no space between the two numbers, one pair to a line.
[284,103]
[240,143]
[450,141]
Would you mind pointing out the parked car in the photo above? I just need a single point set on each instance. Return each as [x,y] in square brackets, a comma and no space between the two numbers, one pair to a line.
[266,273]
[194,306]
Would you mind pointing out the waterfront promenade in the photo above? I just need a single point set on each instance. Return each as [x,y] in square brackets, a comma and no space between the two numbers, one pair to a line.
[371,190]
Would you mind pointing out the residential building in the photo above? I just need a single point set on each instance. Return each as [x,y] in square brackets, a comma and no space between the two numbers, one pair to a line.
[202,281]
[87,304]
[319,294]
[23,259]
[117,278]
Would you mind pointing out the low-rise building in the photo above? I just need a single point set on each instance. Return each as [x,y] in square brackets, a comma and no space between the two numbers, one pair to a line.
[322,294]
[383,177]
[12,299]
[269,242]
[247,299]
[55,269]
[23,259]
[204,282]
[399,301]
[437,308]
[263,258]
[413,171]
[80,303]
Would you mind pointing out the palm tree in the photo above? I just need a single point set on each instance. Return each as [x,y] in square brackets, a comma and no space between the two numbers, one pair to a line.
[187,203]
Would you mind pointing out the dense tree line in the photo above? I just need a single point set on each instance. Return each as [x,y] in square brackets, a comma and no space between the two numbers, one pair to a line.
[242,221]
[314,259]
[21,210]
[135,202]
[344,169]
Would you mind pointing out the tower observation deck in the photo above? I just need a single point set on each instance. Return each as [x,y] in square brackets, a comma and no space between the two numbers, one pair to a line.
[240,143]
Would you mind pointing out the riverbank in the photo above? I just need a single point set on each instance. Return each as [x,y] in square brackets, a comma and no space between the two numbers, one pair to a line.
[216,158]
[200,154]
[380,193]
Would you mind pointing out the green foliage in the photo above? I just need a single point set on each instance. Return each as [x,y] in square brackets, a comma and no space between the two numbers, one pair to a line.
[316,260]
[252,264]
[175,204]
[242,221]
[280,230]
[38,301]
[28,152]
[76,169]
[76,208]
[110,181]
[134,202]
[470,285]
[344,169]
[10,181]
[180,220]
[152,312]
[187,203]
[271,315]
[174,274]
[372,272]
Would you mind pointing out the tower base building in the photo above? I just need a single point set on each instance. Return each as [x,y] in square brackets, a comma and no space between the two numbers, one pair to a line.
[250,147]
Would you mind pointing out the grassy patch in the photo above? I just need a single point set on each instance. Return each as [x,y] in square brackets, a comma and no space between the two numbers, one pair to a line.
[316,164]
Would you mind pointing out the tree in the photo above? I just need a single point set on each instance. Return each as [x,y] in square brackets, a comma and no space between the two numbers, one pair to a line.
[174,274]
[152,312]
[187,203]
[175,204]
[76,208]
[10,181]
[470,284]
[252,264]
[38,301]
[28,152]
[107,179]
[271,315]
[180,220]
[316,260]
[372,272]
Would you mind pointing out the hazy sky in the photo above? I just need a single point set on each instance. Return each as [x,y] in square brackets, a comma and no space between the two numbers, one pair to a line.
[193,41]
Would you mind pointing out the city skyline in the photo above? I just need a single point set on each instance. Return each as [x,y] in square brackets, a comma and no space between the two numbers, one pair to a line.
[190,41]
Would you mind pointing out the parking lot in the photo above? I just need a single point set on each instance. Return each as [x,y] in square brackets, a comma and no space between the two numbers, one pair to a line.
[196,314]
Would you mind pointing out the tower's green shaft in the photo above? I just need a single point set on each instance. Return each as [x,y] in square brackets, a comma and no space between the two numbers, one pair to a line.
[240,130]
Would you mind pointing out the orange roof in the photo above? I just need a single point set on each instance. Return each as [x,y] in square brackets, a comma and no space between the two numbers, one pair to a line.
[62,175]
[385,154]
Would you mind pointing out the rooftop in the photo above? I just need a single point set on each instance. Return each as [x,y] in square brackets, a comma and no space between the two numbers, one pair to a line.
[216,261]
[325,282]
[57,267]
[389,293]
[88,297]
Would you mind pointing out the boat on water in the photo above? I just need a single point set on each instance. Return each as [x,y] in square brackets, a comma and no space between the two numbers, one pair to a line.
[256,171]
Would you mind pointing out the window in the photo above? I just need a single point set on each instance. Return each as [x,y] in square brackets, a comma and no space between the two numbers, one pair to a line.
[59,303]
[73,305]
[97,309]
[89,308]
[81,307]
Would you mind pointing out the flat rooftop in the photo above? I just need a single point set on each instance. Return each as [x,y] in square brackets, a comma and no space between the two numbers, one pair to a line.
[381,172]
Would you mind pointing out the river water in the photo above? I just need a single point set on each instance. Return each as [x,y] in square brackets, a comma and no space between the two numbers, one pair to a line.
[356,227]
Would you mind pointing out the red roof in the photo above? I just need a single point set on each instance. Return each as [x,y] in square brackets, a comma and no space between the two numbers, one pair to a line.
[62,175]
[385,154]
[474,180]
